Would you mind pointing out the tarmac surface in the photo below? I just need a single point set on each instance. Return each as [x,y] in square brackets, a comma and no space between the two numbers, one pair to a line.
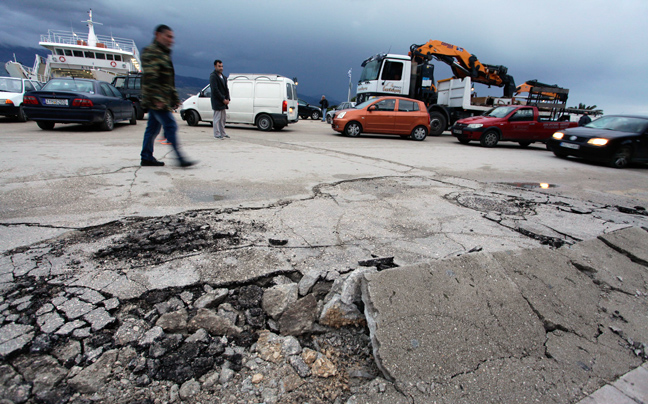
[498,290]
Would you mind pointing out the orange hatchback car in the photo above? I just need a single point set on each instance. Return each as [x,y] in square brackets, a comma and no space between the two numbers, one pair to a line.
[390,115]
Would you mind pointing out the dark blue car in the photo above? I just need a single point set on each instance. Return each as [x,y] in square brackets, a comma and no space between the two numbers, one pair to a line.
[616,140]
[84,101]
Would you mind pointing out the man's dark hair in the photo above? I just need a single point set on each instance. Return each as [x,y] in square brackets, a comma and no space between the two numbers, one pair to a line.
[162,28]
[217,61]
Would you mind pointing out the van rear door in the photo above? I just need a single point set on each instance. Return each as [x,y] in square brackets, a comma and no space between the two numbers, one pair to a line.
[293,106]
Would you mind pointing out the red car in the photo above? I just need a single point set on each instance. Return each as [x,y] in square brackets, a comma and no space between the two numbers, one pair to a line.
[389,115]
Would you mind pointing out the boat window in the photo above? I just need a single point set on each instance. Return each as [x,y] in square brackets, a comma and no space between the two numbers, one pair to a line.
[89,55]
[118,58]
[100,55]
[59,51]
[109,56]
[68,52]
[78,54]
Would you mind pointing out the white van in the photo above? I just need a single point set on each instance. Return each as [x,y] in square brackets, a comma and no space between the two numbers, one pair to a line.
[265,100]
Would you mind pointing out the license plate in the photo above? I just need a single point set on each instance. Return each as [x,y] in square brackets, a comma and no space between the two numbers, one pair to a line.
[457,131]
[51,101]
[569,145]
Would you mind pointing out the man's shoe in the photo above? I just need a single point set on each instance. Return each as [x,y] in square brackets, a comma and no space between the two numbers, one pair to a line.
[226,136]
[153,162]
[187,163]
[218,137]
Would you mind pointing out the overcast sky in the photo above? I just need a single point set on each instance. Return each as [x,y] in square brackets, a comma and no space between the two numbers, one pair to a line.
[596,48]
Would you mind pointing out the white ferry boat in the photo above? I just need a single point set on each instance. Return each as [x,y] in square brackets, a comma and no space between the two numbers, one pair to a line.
[77,55]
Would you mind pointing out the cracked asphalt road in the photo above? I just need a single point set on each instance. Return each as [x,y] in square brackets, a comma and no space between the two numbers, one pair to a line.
[335,200]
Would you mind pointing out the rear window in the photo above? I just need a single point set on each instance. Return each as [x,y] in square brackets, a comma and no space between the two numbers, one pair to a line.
[407,106]
[69,85]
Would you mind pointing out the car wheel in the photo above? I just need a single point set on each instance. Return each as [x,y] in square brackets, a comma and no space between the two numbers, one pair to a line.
[559,154]
[108,123]
[22,117]
[133,119]
[524,144]
[353,129]
[621,157]
[264,122]
[489,139]
[329,119]
[315,115]
[464,141]
[419,133]
[192,118]
[438,123]
[45,125]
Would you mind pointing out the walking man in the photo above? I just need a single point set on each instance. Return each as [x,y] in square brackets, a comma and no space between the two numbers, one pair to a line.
[159,95]
[220,98]
[324,104]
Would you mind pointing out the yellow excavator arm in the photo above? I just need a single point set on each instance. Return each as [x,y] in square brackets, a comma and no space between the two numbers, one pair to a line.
[464,64]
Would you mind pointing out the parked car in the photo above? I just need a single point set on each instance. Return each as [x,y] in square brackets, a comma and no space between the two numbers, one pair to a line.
[616,140]
[268,101]
[12,90]
[390,115]
[85,101]
[308,111]
[343,105]
[130,86]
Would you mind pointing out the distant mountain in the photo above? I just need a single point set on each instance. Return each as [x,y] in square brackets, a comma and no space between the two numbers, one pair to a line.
[186,86]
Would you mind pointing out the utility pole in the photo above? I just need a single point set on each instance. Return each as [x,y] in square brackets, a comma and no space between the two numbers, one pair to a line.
[349,95]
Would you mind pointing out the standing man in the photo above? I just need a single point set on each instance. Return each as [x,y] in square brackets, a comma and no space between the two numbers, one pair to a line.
[160,96]
[220,98]
[324,105]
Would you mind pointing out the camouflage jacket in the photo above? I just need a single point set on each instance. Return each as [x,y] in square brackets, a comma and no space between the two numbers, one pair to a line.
[158,77]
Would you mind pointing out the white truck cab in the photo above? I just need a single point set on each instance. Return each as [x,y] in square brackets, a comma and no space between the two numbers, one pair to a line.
[268,101]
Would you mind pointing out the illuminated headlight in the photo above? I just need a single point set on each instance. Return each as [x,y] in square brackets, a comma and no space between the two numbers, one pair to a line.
[474,126]
[597,141]
[341,115]
[558,135]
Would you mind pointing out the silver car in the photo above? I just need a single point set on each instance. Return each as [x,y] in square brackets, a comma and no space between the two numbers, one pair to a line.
[343,105]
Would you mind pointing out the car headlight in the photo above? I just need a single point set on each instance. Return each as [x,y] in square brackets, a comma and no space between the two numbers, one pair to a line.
[597,141]
[341,115]
[558,135]
[474,126]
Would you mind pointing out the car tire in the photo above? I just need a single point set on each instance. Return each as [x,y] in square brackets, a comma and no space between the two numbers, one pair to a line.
[353,129]
[621,157]
[133,119]
[315,115]
[192,118]
[140,112]
[489,139]
[108,123]
[329,119]
[45,125]
[419,133]
[438,123]
[22,117]
[560,155]
[264,122]
[464,141]
[524,144]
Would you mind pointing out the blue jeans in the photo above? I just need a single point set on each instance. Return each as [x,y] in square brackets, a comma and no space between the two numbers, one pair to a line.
[159,119]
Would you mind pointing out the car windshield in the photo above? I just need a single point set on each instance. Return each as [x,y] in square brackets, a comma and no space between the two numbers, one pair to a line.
[364,104]
[371,70]
[619,123]
[81,86]
[500,112]
[11,85]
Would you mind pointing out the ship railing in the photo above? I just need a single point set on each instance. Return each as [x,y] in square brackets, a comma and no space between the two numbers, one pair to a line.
[103,41]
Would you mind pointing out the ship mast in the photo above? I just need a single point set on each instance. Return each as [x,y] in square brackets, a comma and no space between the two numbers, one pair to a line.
[92,38]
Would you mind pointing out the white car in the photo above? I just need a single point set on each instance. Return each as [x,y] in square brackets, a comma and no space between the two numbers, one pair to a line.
[343,105]
[12,90]
[268,101]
